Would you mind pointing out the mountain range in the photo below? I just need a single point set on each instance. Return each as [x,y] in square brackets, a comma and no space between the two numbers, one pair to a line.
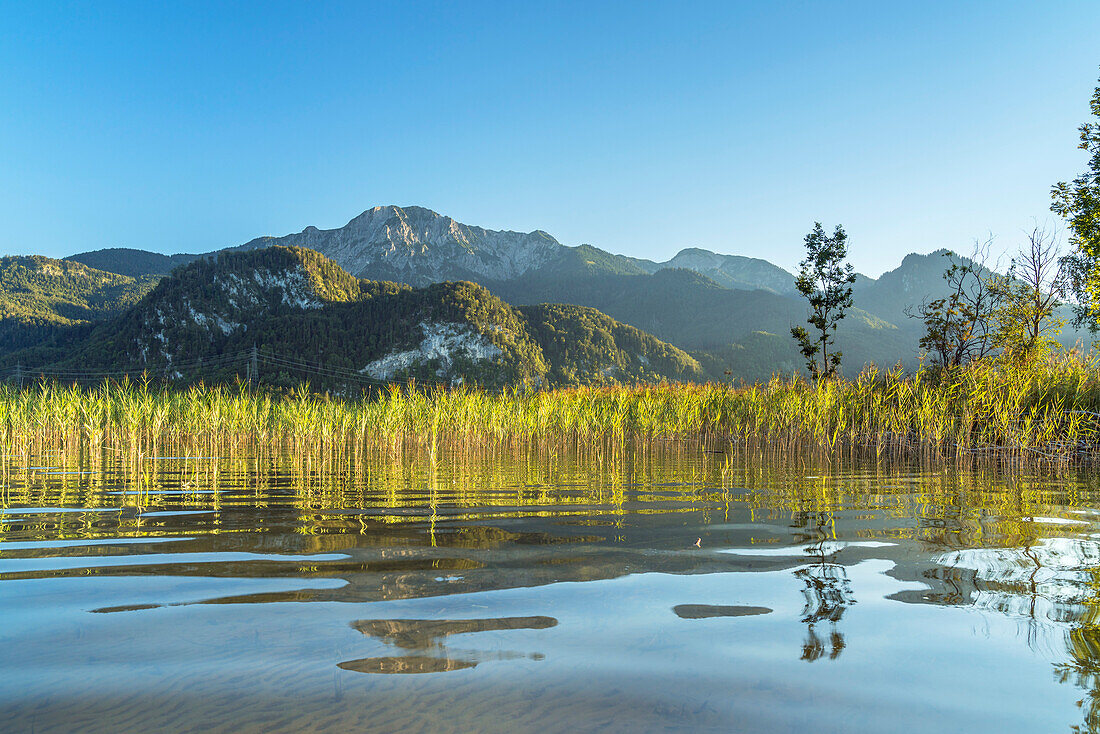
[313,320]
[725,315]
[417,246]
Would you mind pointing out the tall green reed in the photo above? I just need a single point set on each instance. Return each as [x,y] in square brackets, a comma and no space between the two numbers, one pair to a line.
[1049,411]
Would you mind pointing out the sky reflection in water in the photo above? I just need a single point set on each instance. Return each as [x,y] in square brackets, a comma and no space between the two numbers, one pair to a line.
[546,592]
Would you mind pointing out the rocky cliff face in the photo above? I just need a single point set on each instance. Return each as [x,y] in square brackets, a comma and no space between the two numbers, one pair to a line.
[418,246]
[212,302]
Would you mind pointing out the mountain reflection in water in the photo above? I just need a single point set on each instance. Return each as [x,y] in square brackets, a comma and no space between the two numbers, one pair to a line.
[257,588]
[426,634]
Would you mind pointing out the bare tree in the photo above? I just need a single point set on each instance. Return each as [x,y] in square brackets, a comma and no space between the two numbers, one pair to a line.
[959,326]
[1029,294]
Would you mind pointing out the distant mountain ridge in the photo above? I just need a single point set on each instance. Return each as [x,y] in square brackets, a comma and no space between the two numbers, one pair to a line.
[712,322]
[418,246]
[733,271]
[130,262]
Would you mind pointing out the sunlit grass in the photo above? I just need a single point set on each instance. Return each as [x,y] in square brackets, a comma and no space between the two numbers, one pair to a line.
[1048,412]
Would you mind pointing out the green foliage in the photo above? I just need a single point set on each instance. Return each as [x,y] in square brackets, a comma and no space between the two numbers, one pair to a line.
[1025,327]
[1078,202]
[824,280]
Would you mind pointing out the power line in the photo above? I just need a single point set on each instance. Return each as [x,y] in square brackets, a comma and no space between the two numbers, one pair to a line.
[341,372]
[217,360]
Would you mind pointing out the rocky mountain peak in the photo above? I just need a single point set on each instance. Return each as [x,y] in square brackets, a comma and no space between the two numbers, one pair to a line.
[418,246]
[695,258]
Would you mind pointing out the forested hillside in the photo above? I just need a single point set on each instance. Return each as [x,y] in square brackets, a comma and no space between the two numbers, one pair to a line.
[312,320]
[745,332]
[583,346]
[42,299]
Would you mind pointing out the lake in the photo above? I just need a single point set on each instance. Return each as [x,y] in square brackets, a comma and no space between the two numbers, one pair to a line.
[648,588]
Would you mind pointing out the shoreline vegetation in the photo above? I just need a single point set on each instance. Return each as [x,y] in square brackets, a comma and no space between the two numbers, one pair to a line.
[1044,412]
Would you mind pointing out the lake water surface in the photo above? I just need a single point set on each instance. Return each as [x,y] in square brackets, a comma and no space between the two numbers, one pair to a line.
[653,589]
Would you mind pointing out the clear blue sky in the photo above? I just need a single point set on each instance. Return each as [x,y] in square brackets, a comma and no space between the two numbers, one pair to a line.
[641,128]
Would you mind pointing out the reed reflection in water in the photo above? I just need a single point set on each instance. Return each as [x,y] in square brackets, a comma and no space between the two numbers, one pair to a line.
[251,592]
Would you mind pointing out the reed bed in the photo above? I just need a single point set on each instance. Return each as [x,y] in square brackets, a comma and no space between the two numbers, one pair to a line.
[1046,412]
